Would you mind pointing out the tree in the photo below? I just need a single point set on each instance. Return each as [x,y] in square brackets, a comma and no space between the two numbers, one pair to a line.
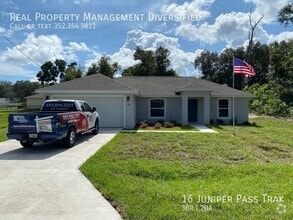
[208,64]
[267,99]
[162,61]
[259,58]
[286,15]
[6,90]
[24,88]
[147,66]
[151,63]
[251,34]
[72,72]
[61,66]
[50,71]
[93,69]
[105,67]
[281,68]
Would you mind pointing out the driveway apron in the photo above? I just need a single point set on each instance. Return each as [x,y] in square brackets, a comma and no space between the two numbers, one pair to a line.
[44,182]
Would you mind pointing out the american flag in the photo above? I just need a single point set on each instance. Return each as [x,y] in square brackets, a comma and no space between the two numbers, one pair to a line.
[243,68]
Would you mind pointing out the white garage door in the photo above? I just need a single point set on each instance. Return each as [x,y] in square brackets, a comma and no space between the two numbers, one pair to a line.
[110,109]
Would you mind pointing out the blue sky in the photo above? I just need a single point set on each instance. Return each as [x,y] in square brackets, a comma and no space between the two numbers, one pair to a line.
[84,30]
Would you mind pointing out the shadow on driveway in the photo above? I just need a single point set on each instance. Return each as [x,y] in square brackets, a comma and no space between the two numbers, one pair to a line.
[40,151]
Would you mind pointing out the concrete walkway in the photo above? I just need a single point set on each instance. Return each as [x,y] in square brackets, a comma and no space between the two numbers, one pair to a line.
[44,182]
[204,129]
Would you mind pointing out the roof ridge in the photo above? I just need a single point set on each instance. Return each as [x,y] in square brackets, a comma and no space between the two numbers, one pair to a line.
[185,85]
[130,87]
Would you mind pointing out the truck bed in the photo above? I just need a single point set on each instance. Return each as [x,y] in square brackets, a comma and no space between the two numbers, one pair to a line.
[41,126]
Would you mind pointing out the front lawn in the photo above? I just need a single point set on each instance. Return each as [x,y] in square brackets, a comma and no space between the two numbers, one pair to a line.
[3,124]
[246,172]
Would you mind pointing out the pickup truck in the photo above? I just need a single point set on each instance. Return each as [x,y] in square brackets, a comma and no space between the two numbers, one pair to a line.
[57,120]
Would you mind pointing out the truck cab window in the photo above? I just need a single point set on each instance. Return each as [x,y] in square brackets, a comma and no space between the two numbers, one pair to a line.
[87,107]
[82,106]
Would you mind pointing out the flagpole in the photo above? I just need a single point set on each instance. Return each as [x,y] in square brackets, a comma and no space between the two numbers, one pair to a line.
[233,115]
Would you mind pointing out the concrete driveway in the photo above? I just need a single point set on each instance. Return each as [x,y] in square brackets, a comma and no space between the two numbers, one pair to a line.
[44,182]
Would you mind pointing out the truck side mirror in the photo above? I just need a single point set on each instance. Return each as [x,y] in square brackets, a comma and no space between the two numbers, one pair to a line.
[94,109]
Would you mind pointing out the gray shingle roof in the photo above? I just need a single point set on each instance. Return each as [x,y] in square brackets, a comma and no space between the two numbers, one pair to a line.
[168,85]
[95,82]
[163,86]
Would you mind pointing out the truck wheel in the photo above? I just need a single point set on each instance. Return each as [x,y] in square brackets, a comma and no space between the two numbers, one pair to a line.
[69,141]
[96,128]
[27,144]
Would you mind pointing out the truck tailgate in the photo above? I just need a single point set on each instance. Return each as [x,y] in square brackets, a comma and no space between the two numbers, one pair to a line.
[30,123]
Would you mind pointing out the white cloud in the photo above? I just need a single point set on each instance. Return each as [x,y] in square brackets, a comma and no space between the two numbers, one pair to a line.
[16,70]
[78,2]
[39,49]
[181,61]
[74,46]
[268,8]
[94,59]
[34,51]
[42,48]
[232,28]
[196,7]
[280,37]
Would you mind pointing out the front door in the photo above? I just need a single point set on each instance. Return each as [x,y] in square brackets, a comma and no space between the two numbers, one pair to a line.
[192,110]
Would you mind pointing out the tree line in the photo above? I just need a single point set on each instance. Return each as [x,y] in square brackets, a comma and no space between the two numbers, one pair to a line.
[150,63]
[273,83]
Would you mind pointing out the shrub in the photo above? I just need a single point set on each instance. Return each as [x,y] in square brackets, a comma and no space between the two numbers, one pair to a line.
[268,100]
[168,124]
[144,124]
[158,125]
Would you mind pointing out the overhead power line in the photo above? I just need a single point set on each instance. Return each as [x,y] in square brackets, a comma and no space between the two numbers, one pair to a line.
[23,53]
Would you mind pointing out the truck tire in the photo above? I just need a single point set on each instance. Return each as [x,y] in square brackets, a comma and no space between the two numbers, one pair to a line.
[69,141]
[27,144]
[96,128]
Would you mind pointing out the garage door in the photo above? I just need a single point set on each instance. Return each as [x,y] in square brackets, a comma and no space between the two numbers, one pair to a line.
[110,109]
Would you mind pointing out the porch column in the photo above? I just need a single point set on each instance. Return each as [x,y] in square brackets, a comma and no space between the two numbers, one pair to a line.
[184,110]
[207,104]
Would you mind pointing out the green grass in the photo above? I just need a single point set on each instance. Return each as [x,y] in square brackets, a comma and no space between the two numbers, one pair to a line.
[4,112]
[148,175]
[3,124]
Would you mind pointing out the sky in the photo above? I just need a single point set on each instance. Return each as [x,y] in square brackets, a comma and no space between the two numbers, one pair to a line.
[33,32]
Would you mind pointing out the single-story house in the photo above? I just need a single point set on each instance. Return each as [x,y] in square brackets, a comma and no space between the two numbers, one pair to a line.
[125,101]
[35,101]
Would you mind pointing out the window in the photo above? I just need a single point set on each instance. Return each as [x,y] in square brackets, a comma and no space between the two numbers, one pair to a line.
[157,108]
[87,107]
[223,108]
